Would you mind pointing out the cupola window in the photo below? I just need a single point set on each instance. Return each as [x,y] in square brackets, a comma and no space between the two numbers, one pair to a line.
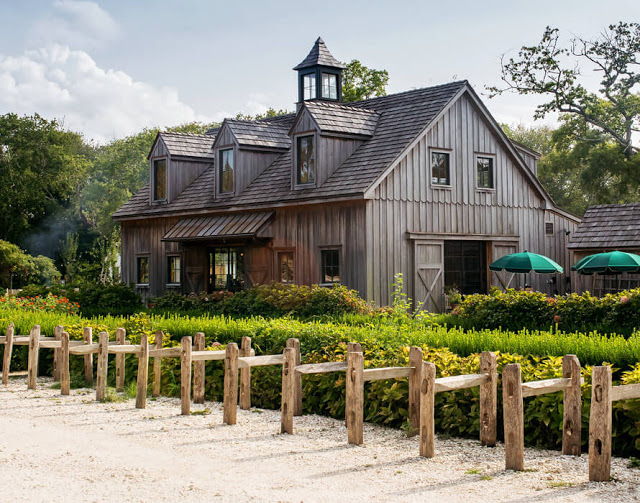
[309,85]
[330,86]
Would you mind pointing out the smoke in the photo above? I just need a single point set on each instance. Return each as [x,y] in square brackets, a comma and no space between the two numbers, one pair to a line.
[48,236]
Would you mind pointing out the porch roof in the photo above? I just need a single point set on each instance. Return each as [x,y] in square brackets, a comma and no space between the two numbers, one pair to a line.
[231,225]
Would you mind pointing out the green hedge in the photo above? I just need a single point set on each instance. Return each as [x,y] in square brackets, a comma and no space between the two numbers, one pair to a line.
[514,310]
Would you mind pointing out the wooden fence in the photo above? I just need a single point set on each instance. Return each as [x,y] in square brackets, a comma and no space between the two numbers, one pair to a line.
[423,386]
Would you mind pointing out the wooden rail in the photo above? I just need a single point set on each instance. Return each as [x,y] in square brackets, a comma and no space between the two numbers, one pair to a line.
[513,392]
[386,373]
[321,368]
[487,380]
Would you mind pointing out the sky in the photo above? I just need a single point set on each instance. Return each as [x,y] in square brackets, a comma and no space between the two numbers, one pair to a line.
[108,69]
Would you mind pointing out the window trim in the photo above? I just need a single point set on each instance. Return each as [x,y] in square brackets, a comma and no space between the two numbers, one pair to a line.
[153,179]
[168,277]
[493,169]
[314,96]
[296,184]
[331,74]
[324,248]
[137,270]
[439,150]
[219,171]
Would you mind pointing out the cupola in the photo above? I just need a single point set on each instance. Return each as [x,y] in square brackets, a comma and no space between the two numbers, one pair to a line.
[319,75]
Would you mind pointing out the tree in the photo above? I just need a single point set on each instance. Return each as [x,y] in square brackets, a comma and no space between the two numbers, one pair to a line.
[271,112]
[361,83]
[554,71]
[17,267]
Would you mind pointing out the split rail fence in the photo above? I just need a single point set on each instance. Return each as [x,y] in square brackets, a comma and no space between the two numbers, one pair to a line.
[423,386]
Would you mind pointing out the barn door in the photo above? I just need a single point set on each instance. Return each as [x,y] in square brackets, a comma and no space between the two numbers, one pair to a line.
[504,279]
[429,275]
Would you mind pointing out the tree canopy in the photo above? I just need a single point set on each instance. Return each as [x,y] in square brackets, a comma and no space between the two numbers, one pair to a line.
[361,83]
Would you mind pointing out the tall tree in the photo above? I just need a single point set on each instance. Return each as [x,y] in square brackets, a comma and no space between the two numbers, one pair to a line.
[361,83]
[555,71]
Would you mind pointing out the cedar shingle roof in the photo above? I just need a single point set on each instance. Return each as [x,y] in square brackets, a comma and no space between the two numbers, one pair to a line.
[609,226]
[191,145]
[319,55]
[221,226]
[339,118]
[400,119]
[260,133]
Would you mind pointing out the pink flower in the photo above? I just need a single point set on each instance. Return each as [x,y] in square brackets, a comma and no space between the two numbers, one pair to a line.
[624,299]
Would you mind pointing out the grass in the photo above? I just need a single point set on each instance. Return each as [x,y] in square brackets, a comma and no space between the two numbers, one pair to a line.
[202,412]
[473,471]
[556,484]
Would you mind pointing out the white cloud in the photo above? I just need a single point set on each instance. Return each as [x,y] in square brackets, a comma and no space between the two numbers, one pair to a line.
[68,84]
[78,24]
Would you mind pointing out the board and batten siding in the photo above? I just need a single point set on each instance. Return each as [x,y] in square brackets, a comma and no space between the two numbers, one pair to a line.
[511,216]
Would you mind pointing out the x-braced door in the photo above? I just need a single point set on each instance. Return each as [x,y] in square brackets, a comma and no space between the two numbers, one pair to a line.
[429,275]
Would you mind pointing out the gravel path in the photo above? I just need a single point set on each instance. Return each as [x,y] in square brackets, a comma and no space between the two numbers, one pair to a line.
[57,448]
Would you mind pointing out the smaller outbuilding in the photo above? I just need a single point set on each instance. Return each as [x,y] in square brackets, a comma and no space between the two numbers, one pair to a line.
[605,228]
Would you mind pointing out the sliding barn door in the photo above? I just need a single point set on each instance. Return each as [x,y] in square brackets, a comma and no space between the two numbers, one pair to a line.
[504,279]
[429,275]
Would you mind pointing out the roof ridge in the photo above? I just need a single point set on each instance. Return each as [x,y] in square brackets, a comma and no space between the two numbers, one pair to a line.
[387,96]
[185,134]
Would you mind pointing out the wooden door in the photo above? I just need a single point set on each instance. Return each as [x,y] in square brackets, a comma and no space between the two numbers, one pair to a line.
[429,275]
[504,279]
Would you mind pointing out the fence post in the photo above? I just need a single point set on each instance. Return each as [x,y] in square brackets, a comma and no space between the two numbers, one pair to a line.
[415,376]
[121,336]
[143,372]
[287,404]
[6,360]
[352,347]
[513,411]
[63,364]
[34,352]
[572,417]
[57,336]
[198,370]
[157,365]
[245,375]
[489,399]
[296,376]
[230,400]
[103,362]
[427,400]
[355,397]
[87,336]
[600,425]
[185,375]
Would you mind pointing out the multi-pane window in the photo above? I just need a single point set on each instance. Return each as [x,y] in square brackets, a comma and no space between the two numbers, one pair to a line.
[173,268]
[159,179]
[226,170]
[309,86]
[226,269]
[142,270]
[285,260]
[306,160]
[330,86]
[330,266]
[485,172]
[440,171]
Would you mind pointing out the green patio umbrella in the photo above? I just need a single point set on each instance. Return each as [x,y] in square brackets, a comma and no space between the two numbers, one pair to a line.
[608,263]
[525,262]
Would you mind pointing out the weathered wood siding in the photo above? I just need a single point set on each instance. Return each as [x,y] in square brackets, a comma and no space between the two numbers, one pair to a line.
[406,201]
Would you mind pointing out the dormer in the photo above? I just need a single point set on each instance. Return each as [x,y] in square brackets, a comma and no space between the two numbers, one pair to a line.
[323,136]
[319,75]
[529,156]
[243,149]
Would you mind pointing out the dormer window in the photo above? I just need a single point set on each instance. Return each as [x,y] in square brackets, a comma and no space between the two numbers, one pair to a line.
[330,86]
[226,171]
[309,86]
[305,160]
[160,180]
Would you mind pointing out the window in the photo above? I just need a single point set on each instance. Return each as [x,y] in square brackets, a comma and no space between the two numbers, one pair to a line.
[142,270]
[306,160]
[440,174]
[285,261]
[330,266]
[309,86]
[485,172]
[159,179]
[226,269]
[226,170]
[330,86]
[174,271]
[548,228]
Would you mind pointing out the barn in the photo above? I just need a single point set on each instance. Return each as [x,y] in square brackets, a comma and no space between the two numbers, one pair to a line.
[423,183]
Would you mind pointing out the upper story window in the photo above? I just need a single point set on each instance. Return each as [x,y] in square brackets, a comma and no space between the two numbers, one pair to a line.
[309,86]
[485,172]
[440,168]
[306,160]
[330,86]
[226,170]
[159,179]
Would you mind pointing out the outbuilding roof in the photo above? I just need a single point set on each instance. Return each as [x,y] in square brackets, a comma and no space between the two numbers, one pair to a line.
[608,226]
[260,133]
[339,118]
[189,145]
